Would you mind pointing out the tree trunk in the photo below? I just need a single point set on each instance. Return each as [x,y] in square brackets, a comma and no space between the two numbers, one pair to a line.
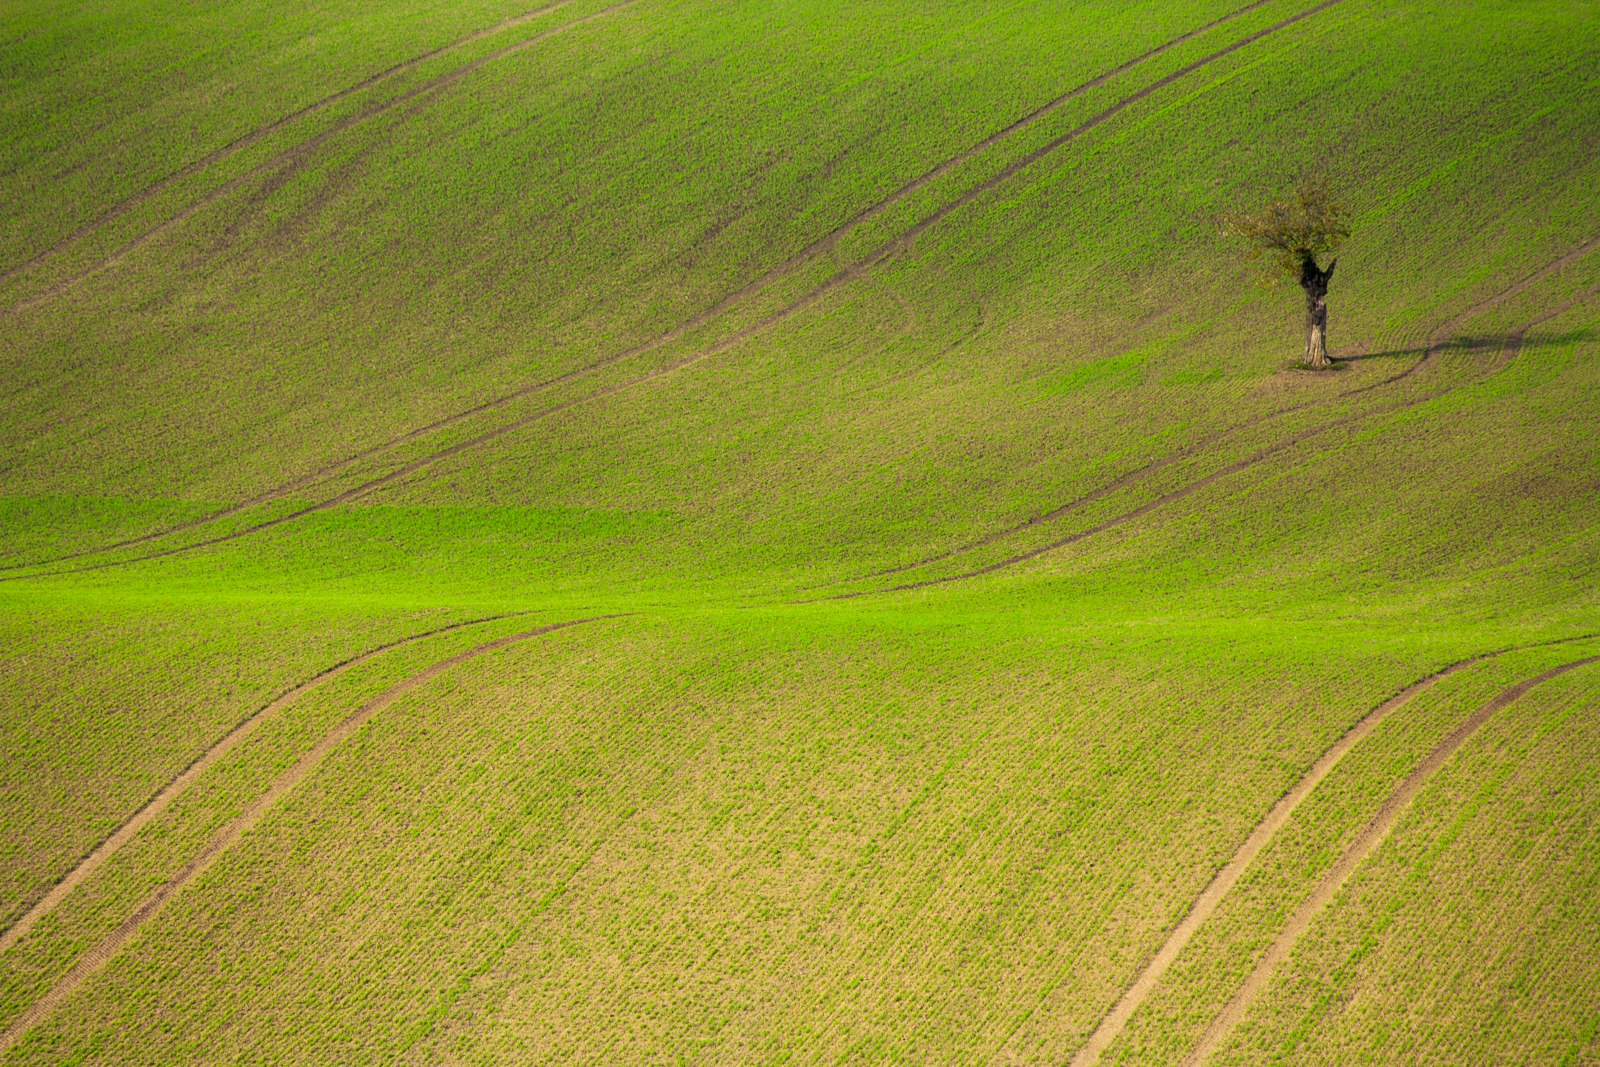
[1314,281]
[1317,334]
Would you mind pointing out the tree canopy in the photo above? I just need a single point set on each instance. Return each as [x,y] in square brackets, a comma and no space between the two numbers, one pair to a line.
[1295,230]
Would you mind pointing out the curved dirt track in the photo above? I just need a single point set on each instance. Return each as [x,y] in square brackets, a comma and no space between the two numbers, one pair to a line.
[1509,352]
[185,778]
[97,957]
[827,286]
[1376,830]
[701,319]
[1115,1020]
[300,151]
[255,136]
[1436,341]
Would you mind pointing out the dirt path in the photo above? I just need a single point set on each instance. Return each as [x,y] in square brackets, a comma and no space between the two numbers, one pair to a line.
[1509,352]
[837,280]
[255,136]
[291,155]
[701,319]
[1370,838]
[175,788]
[1111,1026]
[97,957]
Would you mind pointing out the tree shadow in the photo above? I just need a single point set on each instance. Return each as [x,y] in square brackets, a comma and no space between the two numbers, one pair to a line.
[1480,343]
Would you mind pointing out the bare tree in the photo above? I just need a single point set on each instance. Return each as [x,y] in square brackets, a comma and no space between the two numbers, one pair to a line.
[1296,232]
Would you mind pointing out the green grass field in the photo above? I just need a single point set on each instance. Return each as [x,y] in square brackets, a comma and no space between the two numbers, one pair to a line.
[678,532]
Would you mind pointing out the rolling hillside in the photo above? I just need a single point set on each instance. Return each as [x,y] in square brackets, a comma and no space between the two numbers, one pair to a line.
[686,532]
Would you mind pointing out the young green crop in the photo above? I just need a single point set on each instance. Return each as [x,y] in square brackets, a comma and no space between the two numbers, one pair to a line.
[323,329]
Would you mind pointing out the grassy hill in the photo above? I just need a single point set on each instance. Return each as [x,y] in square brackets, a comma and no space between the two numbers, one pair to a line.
[686,532]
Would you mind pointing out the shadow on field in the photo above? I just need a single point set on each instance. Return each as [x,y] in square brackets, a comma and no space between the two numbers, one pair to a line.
[1480,343]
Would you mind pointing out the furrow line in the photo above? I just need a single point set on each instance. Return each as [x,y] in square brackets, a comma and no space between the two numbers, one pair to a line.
[830,240]
[97,957]
[255,136]
[1539,275]
[433,85]
[187,777]
[1115,1020]
[421,463]
[1375,832]
[485,968]
[905,239]
[1436,342]
[835,281]
[703,318]
[1513,345]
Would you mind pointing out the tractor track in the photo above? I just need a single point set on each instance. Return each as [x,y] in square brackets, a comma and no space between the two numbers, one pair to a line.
[300,151]
[1437,341]
[97,957]
[187,777]
[1512,346]
[1373,835]
[838,279]
[1205,905]
[260,133]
